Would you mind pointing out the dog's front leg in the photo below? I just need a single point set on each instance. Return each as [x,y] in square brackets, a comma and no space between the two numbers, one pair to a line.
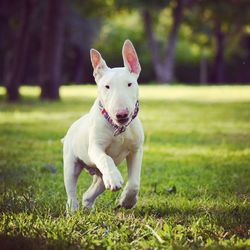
[110,174]
[130,193]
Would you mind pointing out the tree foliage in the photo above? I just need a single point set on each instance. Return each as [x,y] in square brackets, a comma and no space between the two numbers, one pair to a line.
[222,24]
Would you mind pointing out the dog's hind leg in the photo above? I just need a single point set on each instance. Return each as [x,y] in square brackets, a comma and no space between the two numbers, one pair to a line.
[96,188]
[72,171]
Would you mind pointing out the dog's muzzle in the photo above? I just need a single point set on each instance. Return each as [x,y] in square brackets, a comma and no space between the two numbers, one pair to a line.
[122,121]
[121,117]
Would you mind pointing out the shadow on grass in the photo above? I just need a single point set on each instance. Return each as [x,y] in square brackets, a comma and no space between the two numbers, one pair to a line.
[23,243]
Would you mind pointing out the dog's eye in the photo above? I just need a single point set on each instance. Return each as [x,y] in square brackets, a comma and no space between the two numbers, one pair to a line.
[107,86]
[129,84]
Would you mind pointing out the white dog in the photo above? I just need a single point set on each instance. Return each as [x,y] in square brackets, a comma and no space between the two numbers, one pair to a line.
[100,140]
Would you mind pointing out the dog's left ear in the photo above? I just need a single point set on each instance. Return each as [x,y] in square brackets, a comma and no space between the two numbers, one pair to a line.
[130,58]
[99,65]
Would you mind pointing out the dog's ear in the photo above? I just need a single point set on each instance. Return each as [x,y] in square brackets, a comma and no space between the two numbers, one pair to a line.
[99,65]
[130,58]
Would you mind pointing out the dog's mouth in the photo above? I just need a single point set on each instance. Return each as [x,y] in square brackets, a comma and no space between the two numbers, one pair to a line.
[122,121]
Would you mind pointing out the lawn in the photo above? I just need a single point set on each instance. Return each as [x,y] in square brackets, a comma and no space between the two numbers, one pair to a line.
[195,185]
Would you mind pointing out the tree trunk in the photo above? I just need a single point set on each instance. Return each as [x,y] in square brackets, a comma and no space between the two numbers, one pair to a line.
[78,65]
[152,43]
[15,64]
[86,67]
[203,69]
[169,62]
[219,57]
[52,48]
[163,69]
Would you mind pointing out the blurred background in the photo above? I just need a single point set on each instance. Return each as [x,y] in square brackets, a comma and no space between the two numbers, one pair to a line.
[47,43]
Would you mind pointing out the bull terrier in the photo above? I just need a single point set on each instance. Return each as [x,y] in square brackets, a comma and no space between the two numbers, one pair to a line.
[111,132]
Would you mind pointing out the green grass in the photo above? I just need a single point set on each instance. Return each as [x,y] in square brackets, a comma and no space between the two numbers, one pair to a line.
[197,139]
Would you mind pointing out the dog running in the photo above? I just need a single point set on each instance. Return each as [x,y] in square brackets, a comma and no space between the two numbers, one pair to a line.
[111,132]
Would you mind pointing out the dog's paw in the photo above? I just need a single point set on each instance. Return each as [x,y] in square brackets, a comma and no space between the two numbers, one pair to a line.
[129,198]
[113,180]
[71,206]
[87,203]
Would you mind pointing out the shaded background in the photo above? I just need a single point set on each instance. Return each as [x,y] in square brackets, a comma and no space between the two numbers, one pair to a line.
[47,42]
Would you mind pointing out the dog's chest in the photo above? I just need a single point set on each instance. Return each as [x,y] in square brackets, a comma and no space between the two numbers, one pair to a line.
[119,148]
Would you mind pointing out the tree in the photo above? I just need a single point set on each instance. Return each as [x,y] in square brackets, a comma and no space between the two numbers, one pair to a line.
[52,48]
[164,69]
[226,20]
[163,61]
[81,31]
[15,62]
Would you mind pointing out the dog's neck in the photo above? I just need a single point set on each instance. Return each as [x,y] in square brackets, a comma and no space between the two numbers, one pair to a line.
[117,129]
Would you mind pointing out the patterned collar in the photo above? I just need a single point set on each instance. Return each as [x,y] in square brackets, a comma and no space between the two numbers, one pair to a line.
[118,129]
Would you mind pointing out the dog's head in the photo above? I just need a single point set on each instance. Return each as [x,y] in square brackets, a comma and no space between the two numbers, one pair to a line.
[118,87]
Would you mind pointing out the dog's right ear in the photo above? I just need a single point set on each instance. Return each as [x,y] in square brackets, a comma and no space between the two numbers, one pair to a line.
[99,65]
[130,58]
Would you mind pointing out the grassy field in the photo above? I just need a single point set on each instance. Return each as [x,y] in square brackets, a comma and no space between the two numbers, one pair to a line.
[195,188]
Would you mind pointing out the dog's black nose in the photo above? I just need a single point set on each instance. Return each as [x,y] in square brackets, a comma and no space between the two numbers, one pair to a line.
[121,115]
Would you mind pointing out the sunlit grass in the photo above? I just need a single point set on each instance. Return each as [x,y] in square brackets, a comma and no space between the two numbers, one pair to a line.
[153,92]
[196,139]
